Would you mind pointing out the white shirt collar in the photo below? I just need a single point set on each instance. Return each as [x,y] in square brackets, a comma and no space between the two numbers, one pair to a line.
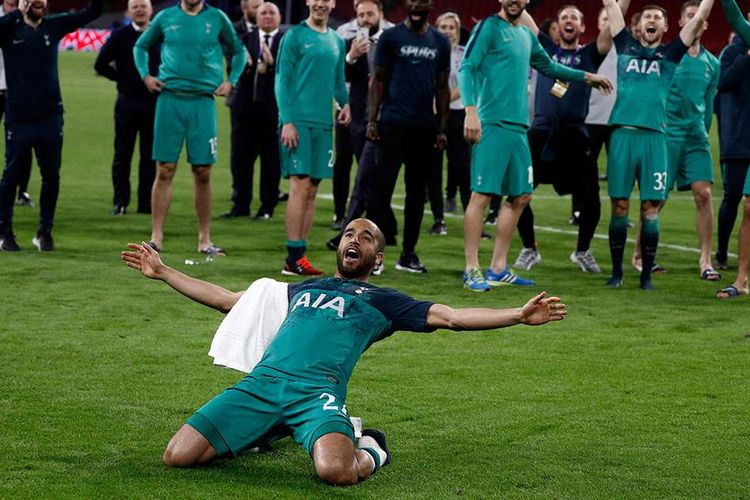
[271,33]
[137,28]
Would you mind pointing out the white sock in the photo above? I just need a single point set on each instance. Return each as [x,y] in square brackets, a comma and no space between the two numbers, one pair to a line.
[370,443]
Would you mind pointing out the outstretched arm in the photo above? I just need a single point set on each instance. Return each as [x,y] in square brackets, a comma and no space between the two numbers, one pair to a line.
[689,32]
[615,16]
[537,311]
[738,23]
[146,260]
[604,40]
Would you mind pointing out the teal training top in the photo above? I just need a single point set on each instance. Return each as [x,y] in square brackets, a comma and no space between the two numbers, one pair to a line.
[330,323]
[309,74]
[495,69]
[736,20]
[690,106]
[192,56]
[644,77]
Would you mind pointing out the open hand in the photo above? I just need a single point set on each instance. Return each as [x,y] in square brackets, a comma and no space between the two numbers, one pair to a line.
[541,310]
[144,259]
[472,128]
[289,136]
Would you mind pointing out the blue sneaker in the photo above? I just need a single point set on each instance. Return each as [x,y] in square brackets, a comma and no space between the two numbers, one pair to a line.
[474,281]
[505,277]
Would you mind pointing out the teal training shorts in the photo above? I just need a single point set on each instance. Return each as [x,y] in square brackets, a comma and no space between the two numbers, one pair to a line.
[261,409]
[746,190]
[689,161]
[187,119]
[637,154]
[501,162]
[313,156]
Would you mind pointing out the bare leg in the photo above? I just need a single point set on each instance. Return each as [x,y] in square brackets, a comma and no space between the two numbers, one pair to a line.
[704,224]
[309,210]
[507,220]
[298,204]
[337,462]
[743,262]
[202,203]
[188,448]
[473,224]
[161,197]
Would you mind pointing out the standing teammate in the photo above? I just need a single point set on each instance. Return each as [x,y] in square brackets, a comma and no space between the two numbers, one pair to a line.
[34,111]
[299,387]
[559,140]
[638,147]
[410,82]
[193,35]
[134,108]
[740,285]
[493,84]
[309,74]
[689,114]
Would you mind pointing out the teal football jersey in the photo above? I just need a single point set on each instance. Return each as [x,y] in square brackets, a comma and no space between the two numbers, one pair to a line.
[644,77]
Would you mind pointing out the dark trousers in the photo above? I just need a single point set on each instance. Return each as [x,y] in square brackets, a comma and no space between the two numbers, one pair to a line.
[133,121]
[562,157]
[45,138]
[733,174]
[25,175]
[599,137]
[414,147]
[255,134]
[459,159]
[350,142]
[364,186]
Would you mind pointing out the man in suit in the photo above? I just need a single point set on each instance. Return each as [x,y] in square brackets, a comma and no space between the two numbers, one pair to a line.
[249,21]
[254,118]
[351,141]
[134,109]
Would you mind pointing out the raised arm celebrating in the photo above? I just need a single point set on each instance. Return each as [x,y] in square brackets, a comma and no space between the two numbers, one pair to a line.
[690,32]
[738,23]
[537,311]
[145,259]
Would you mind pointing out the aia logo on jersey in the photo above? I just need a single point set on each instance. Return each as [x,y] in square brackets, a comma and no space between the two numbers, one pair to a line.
[321,302]
[643,66]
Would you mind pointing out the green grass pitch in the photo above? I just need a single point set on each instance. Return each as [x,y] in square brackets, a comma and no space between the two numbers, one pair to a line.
[634,395]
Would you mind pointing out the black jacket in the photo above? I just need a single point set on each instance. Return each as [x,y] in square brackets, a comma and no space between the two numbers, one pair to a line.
[358,76]
[734,101]
[115,62]
[250,89]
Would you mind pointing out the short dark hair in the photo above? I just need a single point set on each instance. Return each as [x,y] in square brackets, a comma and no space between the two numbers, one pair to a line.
[689,3]
[546,25]
[376,2]
[655,7]
[569,6]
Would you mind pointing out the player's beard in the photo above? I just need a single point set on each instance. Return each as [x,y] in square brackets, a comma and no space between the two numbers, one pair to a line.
[366,265]
[36,13]
[418,19]
[513,17]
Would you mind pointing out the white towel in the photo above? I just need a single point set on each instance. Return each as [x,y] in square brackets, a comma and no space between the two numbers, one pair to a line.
[250,326]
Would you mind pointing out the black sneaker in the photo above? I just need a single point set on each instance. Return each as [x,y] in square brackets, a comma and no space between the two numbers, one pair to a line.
[491,218]
[43,241]
[439,228]
[8,242]
[450,205]
[24,200]
[379,438]
[337,224]
[119,210]
[409,262]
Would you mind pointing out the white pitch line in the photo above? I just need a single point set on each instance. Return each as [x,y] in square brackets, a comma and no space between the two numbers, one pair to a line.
[557,230]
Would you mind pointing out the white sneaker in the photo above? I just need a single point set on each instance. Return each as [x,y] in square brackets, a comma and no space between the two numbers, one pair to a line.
[527,258]
[586,261]
[378,269]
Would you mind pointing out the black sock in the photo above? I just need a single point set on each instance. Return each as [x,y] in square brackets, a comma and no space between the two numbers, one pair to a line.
[295,250]
[618,235]
[649,243]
